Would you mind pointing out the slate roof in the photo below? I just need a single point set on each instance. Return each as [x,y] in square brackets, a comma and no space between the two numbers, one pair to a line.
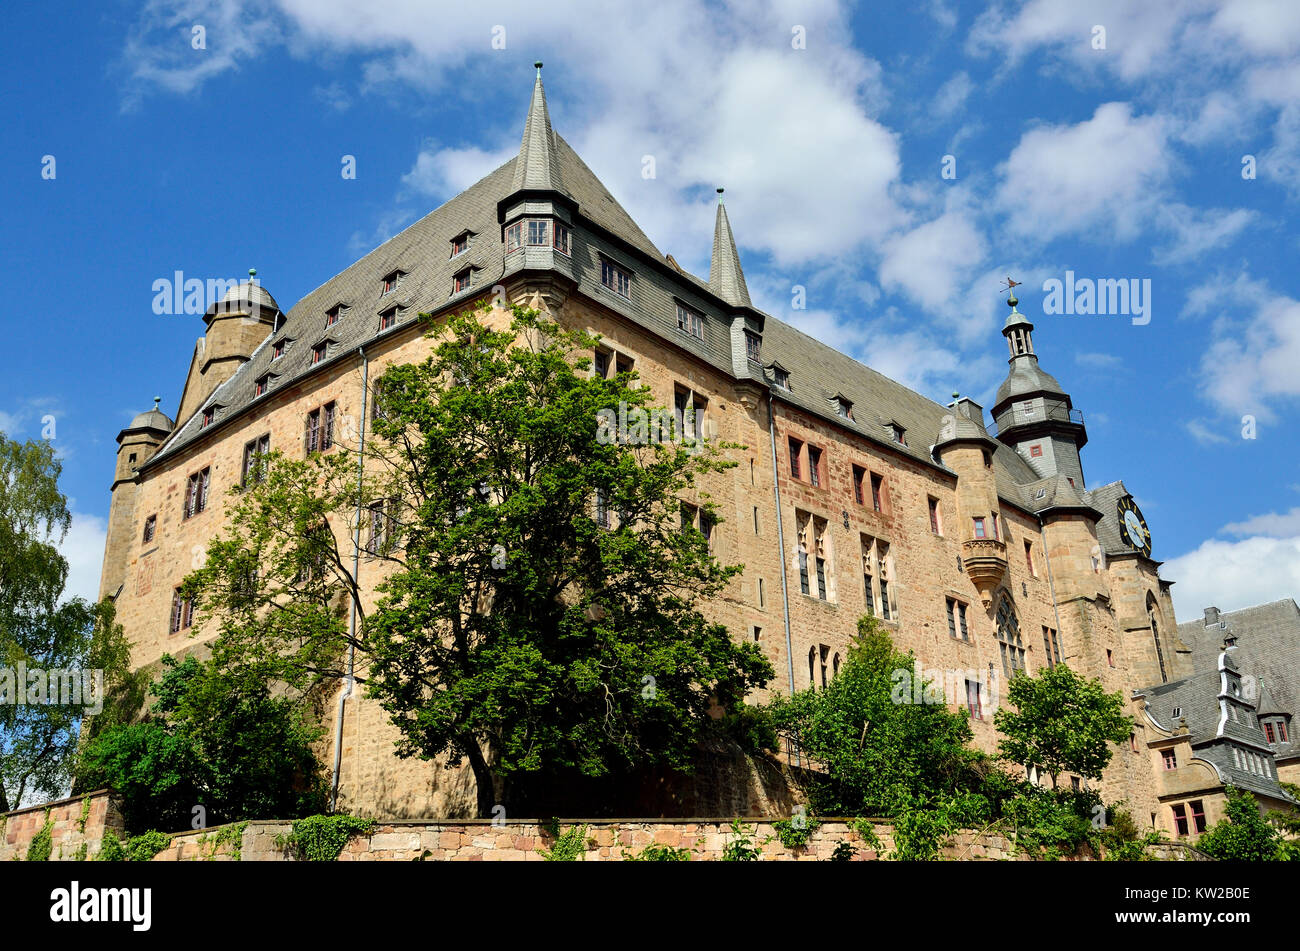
[1268,646]
[546,162]
[1197,698]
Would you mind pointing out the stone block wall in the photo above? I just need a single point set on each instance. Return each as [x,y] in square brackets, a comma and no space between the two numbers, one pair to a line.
[77,822]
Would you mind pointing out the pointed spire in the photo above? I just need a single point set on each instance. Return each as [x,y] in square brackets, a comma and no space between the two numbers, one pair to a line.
[538,166]
[725,276]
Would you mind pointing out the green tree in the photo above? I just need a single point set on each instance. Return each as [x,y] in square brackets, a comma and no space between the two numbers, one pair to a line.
[1061,722]
[1243,835]
[877,751]
[45,632]
[216,739]
[538,614]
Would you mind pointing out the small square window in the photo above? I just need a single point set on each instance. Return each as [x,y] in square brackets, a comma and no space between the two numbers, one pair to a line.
[262,384]
[616,279]
[334,313]
[1168,759]
[690,322]
[781,378]
[1036,450]
[388,318]
[539,232]
[753,346]
[561,238]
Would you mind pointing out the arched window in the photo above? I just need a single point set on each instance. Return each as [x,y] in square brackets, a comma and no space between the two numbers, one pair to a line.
[1009,643]
[812,667]
[1155,634]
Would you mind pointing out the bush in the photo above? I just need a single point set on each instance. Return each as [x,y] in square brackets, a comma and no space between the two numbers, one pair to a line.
[140,848]
[654,852]
[1243,835]
[322,838]
[1052,824]
[570,846]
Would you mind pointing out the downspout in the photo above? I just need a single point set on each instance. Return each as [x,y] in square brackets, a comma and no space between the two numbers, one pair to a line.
[1051,584]
[356,567]
[780,534]
[780,541]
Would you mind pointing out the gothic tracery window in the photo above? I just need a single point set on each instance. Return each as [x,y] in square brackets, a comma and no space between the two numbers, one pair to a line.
[1009,643]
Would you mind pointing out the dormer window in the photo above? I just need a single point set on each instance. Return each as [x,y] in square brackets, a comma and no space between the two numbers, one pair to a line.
[616,279]
[780,376]
[753,346]
[389,317]
[898,434]
[843,406]
[461,281]
[318,352]
[539,232]
[690,322]
[209,415]
[333,315]
[460,244]
[392,282]
[263,384]
[279,347]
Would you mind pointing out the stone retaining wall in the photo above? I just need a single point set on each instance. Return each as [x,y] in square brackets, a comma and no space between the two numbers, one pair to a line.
[75,822]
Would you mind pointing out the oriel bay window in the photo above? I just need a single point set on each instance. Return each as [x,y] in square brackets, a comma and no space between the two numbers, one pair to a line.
[876,575]
[1010,645]
[814,555]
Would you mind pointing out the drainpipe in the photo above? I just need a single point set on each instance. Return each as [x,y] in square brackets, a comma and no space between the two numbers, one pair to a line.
[780,534]
[1051,584]
[356,567]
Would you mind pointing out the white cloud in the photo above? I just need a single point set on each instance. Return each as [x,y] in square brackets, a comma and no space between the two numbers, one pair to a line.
[1234,575]
[445,172]
[932,263]
[1193,231]
[1100,361]
[1098,179]
[1203,434]
[83,547]
[1272,524]
[952,95]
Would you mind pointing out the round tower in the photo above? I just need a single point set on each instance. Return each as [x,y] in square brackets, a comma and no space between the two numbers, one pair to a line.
[136,445]
[1033,412]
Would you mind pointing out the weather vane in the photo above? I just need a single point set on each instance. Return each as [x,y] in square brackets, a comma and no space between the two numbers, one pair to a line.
[1010,285]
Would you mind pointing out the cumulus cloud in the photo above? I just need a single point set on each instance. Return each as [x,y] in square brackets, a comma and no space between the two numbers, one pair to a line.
[83,547]
[1234,574]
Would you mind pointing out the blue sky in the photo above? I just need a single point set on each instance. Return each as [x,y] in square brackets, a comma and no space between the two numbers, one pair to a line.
[1115,154]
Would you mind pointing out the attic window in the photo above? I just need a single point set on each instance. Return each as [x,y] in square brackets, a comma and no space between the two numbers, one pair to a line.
[690,322]
[561,238]
[1040,494]
[263,384]
[1178,712]
[461,281]
[334,313]
[753,346]
[898,433]
[277,351]
[389,317]
[616,279]
[392,282]
[781,377]
[460,244]
[539,232]
[318,352]
[843,407]
[209,415]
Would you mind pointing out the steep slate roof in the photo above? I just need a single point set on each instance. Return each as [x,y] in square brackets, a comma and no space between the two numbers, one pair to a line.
[546,162]
[1268,646]
[1198,698]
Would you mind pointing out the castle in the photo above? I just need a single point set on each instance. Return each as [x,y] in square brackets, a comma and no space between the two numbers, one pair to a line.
[980,548]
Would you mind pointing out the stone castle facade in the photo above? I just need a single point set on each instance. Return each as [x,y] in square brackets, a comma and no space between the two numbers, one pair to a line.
[981,548]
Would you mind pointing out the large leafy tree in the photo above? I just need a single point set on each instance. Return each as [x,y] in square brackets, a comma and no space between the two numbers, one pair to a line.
[538,614]
[875,751]
[1060,722]
[1244,834]
[45,632]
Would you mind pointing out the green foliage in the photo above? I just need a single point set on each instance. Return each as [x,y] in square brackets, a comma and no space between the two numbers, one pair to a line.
[44,631]
[795,833]
[1060,722]
[923,826]
[1052,824]
[876,752]
[1243,835]
[513,630]
[568,846]
[844,851]
[229,837]
[219,739]
[866,831]
[322,838]
[1123,841]
[85,814]
[741,846]
[42,844]
[655,852]
[140,848]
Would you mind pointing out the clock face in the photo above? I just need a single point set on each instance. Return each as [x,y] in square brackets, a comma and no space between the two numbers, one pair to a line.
[1133,526]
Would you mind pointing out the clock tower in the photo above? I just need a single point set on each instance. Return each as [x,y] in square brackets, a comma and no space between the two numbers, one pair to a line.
[1033,412]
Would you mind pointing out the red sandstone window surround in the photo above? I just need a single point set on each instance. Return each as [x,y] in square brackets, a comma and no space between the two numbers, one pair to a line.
[979,526]
[859,474]
[196,492]
[877,493]
[1180,819]
[934,514]
[796,450]
[1168,759]
[1198,815]
[151,528]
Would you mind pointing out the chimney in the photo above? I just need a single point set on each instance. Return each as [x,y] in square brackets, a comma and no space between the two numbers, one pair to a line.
[1211,617]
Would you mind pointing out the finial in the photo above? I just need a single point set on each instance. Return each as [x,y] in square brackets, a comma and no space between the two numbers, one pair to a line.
[1011,285]
[252,273]
[720,196]
[538,65]
[956,394]
[156,401]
